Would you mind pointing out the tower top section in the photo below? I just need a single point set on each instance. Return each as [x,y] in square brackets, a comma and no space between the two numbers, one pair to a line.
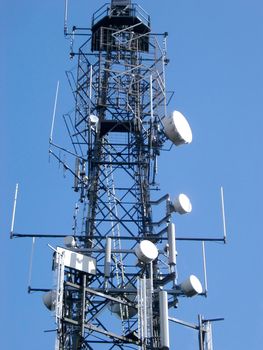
[120,3]
[119,16]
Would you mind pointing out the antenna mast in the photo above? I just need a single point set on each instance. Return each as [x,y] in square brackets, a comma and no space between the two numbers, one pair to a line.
[115,282]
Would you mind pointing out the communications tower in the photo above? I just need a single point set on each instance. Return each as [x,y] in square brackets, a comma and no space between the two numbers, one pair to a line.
[116,275]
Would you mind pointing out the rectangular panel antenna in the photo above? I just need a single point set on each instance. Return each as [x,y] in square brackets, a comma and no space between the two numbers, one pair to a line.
[78,261]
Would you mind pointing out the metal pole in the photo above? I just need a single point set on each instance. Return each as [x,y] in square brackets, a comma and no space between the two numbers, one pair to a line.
[164,321]
[66,18]
[83,306]
[200,334]
[107,262]
[54,114]
[14,214]
[204,267]
[223,213]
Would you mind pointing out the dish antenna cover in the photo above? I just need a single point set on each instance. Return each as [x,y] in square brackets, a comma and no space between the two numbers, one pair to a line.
[182,204]
[177,129]
[146,251]
[70,242]
[123,311]
[191,287]
[49,300]
[93,119]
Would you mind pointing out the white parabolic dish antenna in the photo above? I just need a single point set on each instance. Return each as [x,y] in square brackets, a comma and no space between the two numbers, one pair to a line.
[70,242]
[49,300]
[192,286]
[177,129]
[182,204]
[93,119]
[146,251]
[123,311]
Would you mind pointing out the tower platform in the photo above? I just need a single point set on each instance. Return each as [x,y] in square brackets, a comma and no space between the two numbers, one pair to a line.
[116,17]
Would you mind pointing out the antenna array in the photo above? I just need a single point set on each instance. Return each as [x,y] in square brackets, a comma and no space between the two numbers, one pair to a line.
[115,283]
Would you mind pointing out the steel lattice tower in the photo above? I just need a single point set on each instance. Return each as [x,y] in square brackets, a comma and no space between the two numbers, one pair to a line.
[120,101]
[114,280]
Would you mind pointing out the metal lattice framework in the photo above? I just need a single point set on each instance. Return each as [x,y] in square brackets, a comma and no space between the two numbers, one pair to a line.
[107,295]
[120,101]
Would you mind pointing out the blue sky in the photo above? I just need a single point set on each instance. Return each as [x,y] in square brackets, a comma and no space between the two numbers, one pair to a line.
[216,54]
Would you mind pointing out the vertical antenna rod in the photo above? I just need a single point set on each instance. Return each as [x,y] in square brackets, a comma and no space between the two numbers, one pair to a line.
[14,213]
[204,266]
[223,212]
[31,264]
[66,18]
[54,114]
